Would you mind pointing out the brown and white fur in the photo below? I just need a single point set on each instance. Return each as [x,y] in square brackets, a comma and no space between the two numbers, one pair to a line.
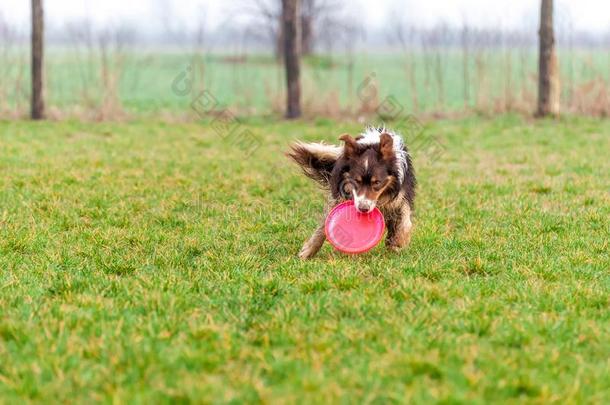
[374,169]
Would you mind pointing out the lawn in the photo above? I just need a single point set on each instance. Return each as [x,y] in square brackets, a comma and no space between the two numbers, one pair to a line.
[146,262]
[145,80]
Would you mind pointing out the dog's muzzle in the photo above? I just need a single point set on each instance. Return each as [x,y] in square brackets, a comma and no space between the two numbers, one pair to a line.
[363,204]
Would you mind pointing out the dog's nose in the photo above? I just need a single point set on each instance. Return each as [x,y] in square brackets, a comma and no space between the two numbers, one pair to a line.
[364,206]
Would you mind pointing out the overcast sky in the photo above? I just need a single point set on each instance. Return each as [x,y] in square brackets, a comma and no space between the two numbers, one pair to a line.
[589,15]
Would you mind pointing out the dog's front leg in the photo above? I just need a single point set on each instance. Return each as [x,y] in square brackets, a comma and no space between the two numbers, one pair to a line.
[399,228]
[315,242]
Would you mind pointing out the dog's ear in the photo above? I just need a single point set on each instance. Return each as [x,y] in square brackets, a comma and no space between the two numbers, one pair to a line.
[351,145]
[386,146]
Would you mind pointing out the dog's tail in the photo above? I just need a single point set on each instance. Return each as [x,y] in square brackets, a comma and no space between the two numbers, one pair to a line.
[315,159]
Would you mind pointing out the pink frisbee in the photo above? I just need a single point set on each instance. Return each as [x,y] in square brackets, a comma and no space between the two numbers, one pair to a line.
[350,231]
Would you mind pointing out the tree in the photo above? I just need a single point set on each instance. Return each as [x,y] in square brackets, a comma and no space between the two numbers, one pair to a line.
[37,60]
[317,19]
[548,75]
[292,62]
[307,20]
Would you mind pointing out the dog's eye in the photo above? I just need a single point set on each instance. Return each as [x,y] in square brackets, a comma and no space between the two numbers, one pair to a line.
[376,183]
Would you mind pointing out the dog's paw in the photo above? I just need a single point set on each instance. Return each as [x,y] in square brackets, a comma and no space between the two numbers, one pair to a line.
[394,248]
[306,253]
[395,245]
[398,242]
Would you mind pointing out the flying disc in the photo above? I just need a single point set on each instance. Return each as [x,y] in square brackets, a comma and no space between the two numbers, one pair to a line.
[351,231]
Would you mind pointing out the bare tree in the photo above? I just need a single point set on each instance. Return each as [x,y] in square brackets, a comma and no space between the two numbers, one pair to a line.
[198,63]
[291,34]
[405,35]
[265,21]
[102,56]
[82,41]
[113,46]
[8,39]
[37,112]
[308,10]
[432,42]
[465,43]
[548,75]
[321,17]
[317,19]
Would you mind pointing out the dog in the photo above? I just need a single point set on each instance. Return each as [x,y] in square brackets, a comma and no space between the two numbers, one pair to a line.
[374,169]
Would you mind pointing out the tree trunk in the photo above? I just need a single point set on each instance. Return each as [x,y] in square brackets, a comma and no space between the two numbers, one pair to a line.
[290,22]
[548,75]
[465,61]
[278,46]
[37,60]
[306,35]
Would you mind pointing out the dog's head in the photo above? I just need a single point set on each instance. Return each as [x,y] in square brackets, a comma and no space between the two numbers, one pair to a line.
[366,172]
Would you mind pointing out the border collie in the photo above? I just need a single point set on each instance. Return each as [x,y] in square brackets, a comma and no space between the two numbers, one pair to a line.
[374,169]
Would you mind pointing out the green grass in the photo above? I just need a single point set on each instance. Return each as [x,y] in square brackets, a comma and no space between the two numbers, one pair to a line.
[255,85]
[146,262]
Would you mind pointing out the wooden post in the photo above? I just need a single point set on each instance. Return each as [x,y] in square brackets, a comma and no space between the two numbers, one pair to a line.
[37,112]
[291,34]
[548,75]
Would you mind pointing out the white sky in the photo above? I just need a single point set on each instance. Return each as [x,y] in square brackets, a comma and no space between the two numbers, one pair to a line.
[590,15]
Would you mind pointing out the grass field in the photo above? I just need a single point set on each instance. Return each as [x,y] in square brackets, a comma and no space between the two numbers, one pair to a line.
[141,81]
[145,262]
